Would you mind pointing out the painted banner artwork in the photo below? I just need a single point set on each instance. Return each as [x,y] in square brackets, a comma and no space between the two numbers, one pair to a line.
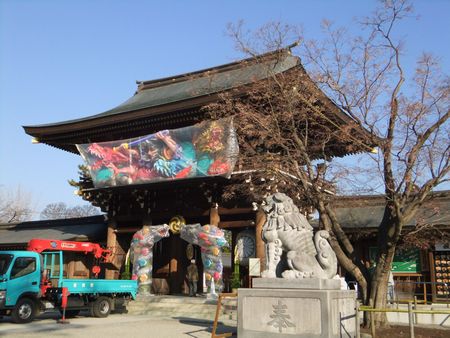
[209,148]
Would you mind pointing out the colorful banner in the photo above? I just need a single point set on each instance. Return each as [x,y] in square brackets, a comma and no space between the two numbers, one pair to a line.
[209,148]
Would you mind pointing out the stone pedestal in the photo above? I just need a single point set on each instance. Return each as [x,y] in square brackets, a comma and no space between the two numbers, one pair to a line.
[296,308]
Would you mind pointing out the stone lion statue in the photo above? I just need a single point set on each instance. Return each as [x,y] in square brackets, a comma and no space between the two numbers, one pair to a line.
[287,230]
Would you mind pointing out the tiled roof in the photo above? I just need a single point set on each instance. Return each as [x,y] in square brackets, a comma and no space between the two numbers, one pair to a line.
[367,211]
[80,229]
[192,85]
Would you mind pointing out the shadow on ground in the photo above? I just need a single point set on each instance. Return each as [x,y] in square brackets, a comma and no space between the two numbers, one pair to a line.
[206,326]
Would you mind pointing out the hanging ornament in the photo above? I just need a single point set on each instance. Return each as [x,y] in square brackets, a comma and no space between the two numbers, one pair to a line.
[207,263]
[176,223]
[216,276]
[221,241]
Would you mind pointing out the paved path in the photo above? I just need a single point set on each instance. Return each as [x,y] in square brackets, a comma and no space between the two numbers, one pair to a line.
[116,325]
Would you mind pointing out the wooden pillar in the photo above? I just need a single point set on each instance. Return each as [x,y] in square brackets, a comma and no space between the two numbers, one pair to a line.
[260,245]
[214,217]
[70,265]
[232,247]
[176,272]
[111,243]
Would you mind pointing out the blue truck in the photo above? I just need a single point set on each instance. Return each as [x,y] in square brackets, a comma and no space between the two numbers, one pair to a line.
[34,281]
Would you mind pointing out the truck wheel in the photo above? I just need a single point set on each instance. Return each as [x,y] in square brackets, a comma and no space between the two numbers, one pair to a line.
[101,307]
[24,311]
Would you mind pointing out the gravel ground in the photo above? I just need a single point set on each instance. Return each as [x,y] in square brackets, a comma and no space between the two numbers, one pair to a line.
[116,325]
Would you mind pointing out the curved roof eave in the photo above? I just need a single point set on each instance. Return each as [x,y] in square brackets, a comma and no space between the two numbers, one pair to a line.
[163,99]
[190,86]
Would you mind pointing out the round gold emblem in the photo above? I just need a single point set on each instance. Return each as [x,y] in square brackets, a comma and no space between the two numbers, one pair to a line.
[176,223]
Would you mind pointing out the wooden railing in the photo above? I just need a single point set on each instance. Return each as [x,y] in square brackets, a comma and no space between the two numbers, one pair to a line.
[219,305]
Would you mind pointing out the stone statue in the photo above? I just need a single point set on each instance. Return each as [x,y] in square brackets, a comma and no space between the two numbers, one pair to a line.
[286,229]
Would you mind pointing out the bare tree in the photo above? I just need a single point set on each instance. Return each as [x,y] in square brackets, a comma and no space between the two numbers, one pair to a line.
[54,211]
[15,206]
[60,211]
[367,79]
[83,211]
[284,127]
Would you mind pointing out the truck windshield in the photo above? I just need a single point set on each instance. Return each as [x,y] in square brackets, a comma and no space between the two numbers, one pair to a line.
[5,260]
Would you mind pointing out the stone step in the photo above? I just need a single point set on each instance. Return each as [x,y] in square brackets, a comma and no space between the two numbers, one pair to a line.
[176,300]
[181,299]
[171,309]
[198,308]
[178,307]
[225,305]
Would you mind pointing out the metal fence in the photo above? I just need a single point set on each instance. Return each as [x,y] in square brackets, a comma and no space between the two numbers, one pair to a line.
[420,292]
[415,292]
[412,319]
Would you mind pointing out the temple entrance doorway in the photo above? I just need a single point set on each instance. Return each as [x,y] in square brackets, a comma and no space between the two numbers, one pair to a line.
[172,256]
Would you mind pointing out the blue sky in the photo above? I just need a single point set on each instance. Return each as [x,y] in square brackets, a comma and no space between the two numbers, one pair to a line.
[61,60]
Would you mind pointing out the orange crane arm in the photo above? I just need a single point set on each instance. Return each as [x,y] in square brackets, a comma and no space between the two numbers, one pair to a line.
[39,245]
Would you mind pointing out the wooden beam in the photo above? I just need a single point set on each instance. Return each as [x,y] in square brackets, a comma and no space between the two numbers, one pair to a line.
[127,230]
[160,216]
[236,224]
[235,211]
[188,214]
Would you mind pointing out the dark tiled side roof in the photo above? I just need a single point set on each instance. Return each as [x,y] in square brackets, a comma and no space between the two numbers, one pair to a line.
[367,211]
[80,229]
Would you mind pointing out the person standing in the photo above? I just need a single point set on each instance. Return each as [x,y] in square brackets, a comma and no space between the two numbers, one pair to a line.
[192,277]
[391,288]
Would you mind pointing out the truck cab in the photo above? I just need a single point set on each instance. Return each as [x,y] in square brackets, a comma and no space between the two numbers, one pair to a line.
[20,279]
[36,280]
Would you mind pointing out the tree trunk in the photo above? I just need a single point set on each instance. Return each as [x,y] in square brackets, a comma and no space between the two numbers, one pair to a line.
[378,294]
[351,267]
[344,252]
[388,236]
